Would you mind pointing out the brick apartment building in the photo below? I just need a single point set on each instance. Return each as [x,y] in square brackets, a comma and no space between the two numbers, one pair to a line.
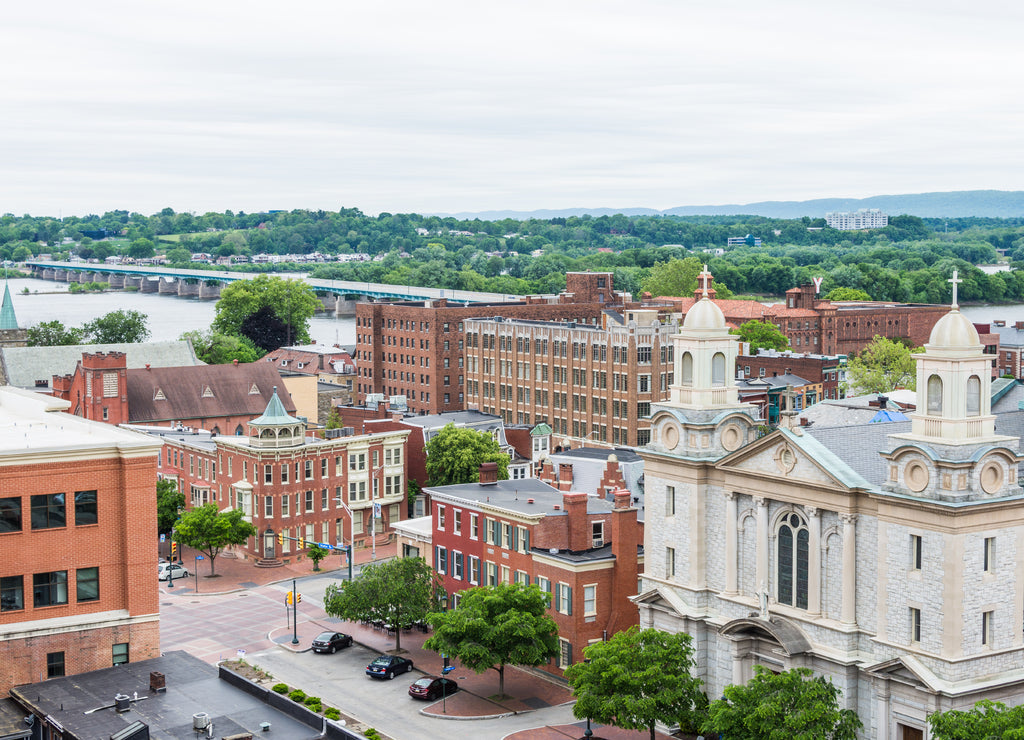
[219,398]
[415,348]
[582,550]
[286,482]
[827,371]
[78,556]
[589,382]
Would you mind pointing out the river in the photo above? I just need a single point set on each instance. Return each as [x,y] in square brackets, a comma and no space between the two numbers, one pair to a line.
[169,316]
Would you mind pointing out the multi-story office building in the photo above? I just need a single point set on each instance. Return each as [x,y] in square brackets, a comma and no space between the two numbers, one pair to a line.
[415,348]
[589,382]
[78,556]
[865,218]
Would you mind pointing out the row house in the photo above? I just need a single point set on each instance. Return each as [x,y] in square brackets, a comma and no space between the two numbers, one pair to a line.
[342,490]
[826,371]
[588,382]
[584,551]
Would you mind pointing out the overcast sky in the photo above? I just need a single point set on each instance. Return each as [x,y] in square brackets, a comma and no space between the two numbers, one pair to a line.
[470,106]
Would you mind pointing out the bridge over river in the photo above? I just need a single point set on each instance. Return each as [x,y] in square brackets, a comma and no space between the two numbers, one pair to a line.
[339,296]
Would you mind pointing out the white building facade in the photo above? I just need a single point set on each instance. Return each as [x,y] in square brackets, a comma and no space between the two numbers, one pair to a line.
[865,218]
[884,556]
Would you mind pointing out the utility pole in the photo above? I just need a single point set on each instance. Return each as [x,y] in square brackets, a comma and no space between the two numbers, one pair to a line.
[295,614]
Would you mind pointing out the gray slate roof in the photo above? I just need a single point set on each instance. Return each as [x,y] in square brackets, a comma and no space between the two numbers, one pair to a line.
[23,366]
[858,446]
[514,495]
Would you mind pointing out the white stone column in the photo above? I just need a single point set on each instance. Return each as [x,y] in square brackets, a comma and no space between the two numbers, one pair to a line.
[848,613]
[761,571]
[731,553]
[814,560]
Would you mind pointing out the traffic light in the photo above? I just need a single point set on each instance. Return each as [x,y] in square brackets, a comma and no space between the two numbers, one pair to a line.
[174,550]
[302,544]
[280,539]
[288,598]
[298,598]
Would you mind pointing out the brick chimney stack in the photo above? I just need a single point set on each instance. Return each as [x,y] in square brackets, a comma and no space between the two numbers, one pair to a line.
[626,534]
[489,474]
[580,532]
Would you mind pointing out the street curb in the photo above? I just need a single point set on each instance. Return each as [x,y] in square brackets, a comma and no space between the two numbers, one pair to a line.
[456,718]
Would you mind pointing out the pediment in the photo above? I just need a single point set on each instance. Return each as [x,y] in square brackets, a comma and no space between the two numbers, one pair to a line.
[791,457]
[907,670]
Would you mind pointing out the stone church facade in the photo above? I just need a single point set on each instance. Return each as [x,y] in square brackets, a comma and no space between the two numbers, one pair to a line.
[884,556]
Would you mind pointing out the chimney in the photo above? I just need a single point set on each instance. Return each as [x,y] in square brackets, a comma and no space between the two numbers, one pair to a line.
[489,474]
[235,362]
[147,366]
[1018,325]
[580,533]
[621,499]
[157,681]
[882,401]
[565,473]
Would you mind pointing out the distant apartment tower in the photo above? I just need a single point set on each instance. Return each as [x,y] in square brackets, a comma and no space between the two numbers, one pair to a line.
[592,383]
[749,240]
[865,218]
[415,348]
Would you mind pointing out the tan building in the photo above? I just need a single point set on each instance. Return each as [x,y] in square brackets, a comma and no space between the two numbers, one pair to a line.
[589,382]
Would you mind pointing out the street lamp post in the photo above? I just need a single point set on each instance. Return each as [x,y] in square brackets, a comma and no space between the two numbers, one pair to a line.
[373,511]
[351,539]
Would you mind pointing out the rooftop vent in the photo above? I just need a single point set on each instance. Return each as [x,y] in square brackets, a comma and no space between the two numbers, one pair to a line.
[122,703]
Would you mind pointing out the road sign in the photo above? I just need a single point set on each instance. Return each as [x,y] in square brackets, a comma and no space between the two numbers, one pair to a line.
[447,670]
[325,545]
[163,538]
[200,557]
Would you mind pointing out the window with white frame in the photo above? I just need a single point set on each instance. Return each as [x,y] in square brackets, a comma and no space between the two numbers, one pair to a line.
[268,473]
[457,565]
[440,517]
[309,469]
[474,570]
[590,600]
[284,505]
[522,539]
[357,522]
[309,501]
[441,560]
[563,599]
[564,653]
[268,507]
[284,473]
[324,504]
[597,534]
[457,521]
[357,461]
[506,574]
[474,526]
[323,467]
[792,549]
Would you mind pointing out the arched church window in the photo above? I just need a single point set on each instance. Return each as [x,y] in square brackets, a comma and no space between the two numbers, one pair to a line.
[793,554]
[934,396]
[718,369]
[239,431]
[686,366]
[973,396]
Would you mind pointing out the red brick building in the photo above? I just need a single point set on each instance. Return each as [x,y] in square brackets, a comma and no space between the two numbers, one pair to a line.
[218,398]
[415,348]
[827,371]
[78,556]
[285,482]
[582,550]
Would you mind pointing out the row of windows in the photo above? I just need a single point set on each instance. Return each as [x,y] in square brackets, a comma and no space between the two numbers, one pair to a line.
[988,554]
[49,589]
[48,511]
[56,666]
[560,348]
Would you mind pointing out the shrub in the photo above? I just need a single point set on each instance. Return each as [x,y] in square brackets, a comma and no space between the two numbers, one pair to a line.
[298,696]
[332,713]
[371,734]
[317,708]
[279,688]
[311,700]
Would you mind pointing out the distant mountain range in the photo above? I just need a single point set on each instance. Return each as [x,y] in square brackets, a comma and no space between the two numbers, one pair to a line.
[958,203]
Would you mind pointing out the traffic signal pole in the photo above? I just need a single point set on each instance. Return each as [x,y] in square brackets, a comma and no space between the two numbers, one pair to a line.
[295,614]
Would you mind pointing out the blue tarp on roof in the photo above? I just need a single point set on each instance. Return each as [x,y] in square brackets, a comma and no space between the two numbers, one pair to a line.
[887,415]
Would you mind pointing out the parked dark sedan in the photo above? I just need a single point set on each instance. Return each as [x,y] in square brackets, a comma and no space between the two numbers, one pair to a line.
[432,687]
[328,642]
[388,666]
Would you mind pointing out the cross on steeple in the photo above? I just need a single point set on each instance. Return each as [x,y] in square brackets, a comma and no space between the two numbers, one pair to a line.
[705,280]
[956,281]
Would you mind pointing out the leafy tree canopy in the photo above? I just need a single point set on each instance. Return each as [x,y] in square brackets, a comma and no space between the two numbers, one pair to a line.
[988,719]
[679,278]
[208,530]
[761,335]
[398,593]
[291,302]
[53,334]
[455,453]
[495,626]
[847,294]
[121,326]
[882,366]
[215,348]
[638,678]
[792,705]
[169,501]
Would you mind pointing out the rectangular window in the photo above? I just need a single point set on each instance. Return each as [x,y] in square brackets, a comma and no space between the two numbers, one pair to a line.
[457,565]
[87,581]
[474,570]
[670,562]
[12,593]
[323,499]
[492,574]
[590,600]
[987,624]
[284,505]
[309,501]
[120,653]
[564,653]
[457,521]
[915,625]
[284,473]
[85,508]
[323,468]
[915,552]
[48,511]
[268,506]
[309,469]
[50,589]
[441,560]
[55,665]
[474,526]
[563,599]
[670,501]
[506,574]
[440,517]
[506,535]
[268,473]
[990,555]
[522,539]
[10,514]
[597,534]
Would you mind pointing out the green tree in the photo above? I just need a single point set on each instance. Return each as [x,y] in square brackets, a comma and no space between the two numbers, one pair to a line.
[292,302]
[141,249]
[638,678]
[988,720]
[208,530]
[215,348]
[53,334]
[847,294]
[316,554]
[882,366]
[761,335]
[122,326]
[679,278]
[169,501]
[495,626]
[398,593]
[178,256]
[455,453]
[792,705]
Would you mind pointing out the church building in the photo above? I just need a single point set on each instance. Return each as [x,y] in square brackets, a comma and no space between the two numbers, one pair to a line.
[885,556]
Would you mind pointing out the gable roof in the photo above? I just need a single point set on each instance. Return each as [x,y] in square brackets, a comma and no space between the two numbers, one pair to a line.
[23,366]
[161,394]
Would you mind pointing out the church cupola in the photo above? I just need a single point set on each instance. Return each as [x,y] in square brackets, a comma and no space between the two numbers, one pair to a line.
[275,428]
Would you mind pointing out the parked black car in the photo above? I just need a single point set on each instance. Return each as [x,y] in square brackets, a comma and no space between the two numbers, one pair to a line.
[388,666]
[328,642]
[432,687]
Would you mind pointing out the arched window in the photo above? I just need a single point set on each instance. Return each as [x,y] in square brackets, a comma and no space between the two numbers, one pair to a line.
[973,396]
[935,396]
[686,367]
[793,547]
[239,431]
[718,369]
